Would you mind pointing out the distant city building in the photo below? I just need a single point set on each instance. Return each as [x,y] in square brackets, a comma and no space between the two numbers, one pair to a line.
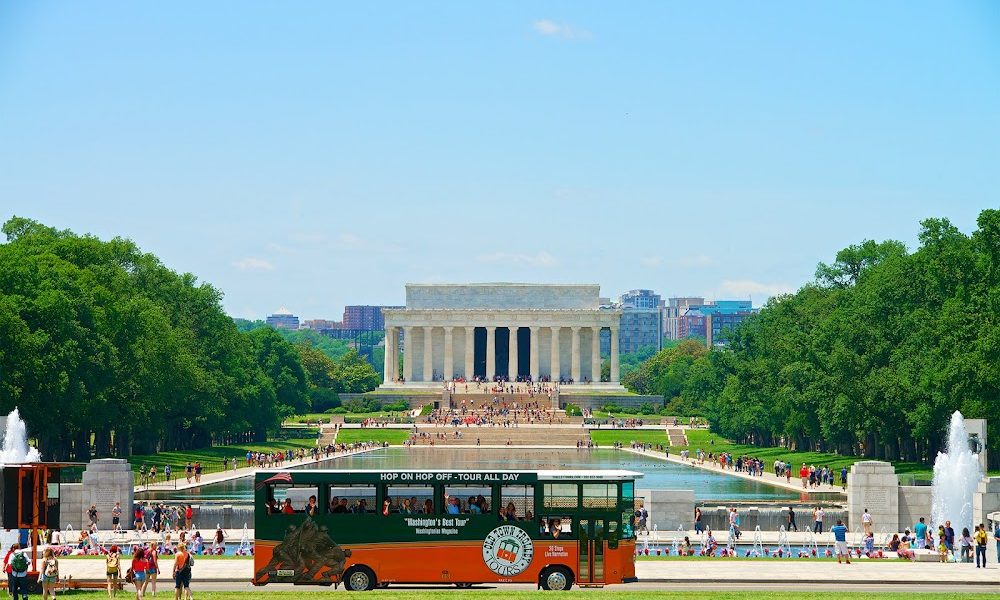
[640,299]
[365,317]
[714,320]
[641,322]
[672,312]
[283,319]
[321,324]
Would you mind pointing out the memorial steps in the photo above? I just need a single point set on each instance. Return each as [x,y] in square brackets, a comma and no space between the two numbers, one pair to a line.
[523,435]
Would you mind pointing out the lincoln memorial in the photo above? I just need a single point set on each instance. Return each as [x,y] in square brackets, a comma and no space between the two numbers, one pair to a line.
[509,330]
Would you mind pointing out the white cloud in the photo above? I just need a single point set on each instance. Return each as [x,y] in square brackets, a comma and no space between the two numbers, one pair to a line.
[350,239]
[551,28]
[542,259]
[307,238]
[651,261]
[253,264]
[744,288]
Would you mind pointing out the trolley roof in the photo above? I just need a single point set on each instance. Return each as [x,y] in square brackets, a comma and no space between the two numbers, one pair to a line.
[541,474]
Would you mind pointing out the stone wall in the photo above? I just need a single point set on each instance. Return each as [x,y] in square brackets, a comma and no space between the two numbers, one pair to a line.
[914,502]
[503,296]
[668,509]
[986,499]
[596,401]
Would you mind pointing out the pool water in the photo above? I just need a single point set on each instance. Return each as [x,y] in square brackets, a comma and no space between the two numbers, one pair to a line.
[707,485]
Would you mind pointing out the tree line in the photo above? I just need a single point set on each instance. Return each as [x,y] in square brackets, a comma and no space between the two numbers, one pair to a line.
[870,359]
[107,352]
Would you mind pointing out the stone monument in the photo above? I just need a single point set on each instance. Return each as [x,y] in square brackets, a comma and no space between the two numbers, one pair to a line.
[105,482]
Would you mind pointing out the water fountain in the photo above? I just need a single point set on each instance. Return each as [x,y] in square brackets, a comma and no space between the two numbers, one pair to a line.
[956,474]
[15,442]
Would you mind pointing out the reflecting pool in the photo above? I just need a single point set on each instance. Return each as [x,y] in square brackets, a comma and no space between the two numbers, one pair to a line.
[707,485]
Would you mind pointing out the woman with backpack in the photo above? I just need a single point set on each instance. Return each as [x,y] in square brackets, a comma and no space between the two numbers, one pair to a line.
[49,574]
[113,568]
[182,572]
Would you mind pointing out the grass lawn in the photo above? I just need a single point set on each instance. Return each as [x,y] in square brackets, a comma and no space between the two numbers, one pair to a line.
[396,437]
[607,437]
[617,592]
[212,456]
[714,443]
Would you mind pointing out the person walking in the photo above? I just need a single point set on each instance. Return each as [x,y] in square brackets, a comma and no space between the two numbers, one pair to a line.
[139,565]
[980,539]
[112,564]
[49,574]
[152,568]
[16,565]
[182,572]
[699,527]
[920,534]
[116,517]
[791,519]
[839,532]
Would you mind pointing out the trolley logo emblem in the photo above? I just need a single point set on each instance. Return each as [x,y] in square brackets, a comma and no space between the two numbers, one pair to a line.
[507,550]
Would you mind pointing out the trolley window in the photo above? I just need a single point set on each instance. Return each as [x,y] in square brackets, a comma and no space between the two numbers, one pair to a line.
[560,495]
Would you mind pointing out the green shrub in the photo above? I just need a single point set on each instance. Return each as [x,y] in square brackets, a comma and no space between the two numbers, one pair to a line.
[426,410]
[340,410]
[362,405]
[647,409]
[573,410]
[612,408]
[397,406]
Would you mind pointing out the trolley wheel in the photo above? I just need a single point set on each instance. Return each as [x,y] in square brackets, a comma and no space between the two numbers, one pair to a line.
[463,586]
[556,579]
[359,579]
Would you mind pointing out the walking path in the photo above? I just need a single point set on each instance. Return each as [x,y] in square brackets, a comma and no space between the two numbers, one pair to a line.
[768,478]
[777,570]
[239,473]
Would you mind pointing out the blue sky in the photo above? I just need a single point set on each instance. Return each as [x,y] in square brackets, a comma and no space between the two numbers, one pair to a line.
[312,155]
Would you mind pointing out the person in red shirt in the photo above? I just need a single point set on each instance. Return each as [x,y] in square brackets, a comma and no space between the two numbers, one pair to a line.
[139,566]
[804,474]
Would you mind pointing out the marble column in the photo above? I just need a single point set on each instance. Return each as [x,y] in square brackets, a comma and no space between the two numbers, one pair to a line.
[491,353]
[390,360]
[387,357]
[409,348]
[533,353]
[512,354]
[470,349]
[574,365]
[449,354]
[554,368]
[595,354]
[614,354]
[428,354]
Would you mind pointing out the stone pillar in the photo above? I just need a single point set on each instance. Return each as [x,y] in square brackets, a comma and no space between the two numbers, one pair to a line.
[872,484]
[428,354]
[387,357]
[595,355]
[449,354]
[533,351]
[512,354]
[574,365]
[409,349]
[614,354]
[554,368]
[491,353]
[470,349]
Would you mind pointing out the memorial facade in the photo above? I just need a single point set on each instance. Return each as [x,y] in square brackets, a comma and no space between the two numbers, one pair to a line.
[541,332]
